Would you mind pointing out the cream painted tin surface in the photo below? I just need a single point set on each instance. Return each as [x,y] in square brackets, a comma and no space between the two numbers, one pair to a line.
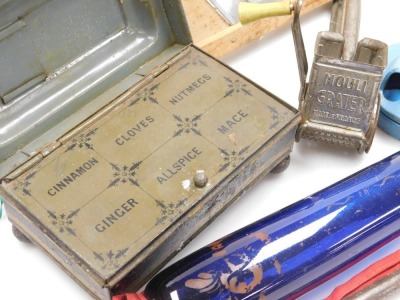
[114,187]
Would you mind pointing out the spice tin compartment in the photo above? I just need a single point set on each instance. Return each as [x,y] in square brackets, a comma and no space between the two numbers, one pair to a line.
[109,118]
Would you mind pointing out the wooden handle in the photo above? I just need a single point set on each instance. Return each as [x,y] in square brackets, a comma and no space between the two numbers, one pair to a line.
[249,12]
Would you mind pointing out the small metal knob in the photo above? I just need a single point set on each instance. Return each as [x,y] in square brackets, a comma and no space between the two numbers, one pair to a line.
[200,179]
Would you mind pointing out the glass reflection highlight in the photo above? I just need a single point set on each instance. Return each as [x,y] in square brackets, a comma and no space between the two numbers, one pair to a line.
[288,253]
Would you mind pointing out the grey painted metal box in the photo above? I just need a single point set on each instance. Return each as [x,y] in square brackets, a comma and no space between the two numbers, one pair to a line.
[107,115]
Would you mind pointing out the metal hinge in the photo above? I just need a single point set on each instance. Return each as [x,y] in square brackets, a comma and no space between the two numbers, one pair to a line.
[162,68]
[48,149]
[33,161]
[23,168]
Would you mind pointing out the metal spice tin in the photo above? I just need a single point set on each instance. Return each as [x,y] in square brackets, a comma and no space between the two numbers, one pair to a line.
[111,189]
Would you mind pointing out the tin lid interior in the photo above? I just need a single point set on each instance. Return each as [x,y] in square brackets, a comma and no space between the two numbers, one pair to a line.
[62,61]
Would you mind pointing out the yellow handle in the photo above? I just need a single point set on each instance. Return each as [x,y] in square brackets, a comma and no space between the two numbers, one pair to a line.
[250,12]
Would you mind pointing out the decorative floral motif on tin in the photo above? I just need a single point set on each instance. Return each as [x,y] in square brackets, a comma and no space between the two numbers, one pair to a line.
[169,211]
[110,260]
[276,117]
[193,61]
[63,222]
[236,86]
[124,174]
[147,95]
[83,140]
[232,159]
[187,125]
[23,185]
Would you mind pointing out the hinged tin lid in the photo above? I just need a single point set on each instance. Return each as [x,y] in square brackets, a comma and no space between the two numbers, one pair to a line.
[62,61]
[120,196]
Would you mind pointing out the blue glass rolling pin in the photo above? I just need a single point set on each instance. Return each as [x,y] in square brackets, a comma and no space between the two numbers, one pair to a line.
[293,250]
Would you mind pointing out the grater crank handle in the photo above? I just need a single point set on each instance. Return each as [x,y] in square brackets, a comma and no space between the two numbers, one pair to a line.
[249,12]
[301,55]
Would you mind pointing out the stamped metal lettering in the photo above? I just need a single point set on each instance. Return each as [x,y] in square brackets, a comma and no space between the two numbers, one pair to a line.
[116,215]
[340,104]
[133,131]
[129,175]
[178,165]
[73,176]
[201,81]
[234,120]
[345,94]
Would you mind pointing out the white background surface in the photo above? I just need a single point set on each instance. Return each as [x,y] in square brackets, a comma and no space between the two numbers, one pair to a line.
[26,273]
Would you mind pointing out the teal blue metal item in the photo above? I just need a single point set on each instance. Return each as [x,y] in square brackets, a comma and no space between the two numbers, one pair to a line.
[1,206]
[389,117]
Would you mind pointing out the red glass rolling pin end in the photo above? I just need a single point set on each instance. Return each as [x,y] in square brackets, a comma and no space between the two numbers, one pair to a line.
[378,281]
[129,297]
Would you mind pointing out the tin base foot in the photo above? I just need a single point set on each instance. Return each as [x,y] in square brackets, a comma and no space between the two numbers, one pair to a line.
[19,235]
[282,166]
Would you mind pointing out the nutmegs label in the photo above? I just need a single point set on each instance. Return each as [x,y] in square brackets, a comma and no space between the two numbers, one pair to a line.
[114,187]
